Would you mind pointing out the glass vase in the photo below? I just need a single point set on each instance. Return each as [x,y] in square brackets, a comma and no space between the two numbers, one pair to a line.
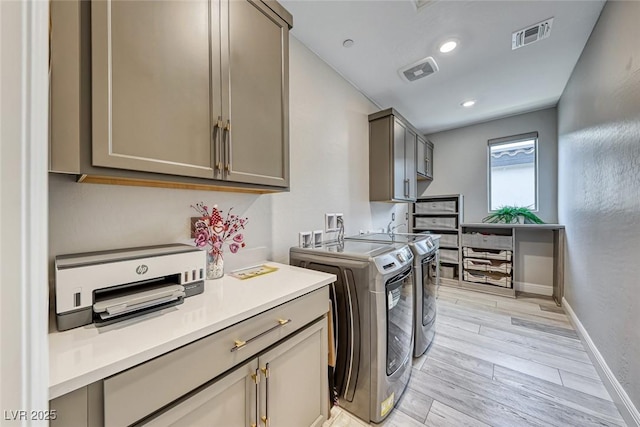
[215,266]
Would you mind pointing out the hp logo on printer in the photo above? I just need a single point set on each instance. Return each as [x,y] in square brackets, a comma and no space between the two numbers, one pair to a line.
[141,269]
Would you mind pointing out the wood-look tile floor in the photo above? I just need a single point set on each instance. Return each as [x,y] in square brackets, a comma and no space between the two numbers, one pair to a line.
[499,361]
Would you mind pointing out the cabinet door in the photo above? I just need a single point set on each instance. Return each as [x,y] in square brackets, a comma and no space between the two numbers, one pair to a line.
[421,152]
[71,409]
[400,184]
[152,64]
[410,164]
[294,387]
[429,159]
[230,401]
[255,91]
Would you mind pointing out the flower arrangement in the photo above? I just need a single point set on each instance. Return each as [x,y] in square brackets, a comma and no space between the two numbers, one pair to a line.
[213,231]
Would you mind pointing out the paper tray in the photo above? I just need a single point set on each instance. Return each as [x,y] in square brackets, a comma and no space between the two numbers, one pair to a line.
[138,300]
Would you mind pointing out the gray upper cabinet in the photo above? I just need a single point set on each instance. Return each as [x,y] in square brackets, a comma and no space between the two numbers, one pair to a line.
[410,140]
[429,160]
[190,92]
[392,158]
[256,139]
[151,68]
[424,158]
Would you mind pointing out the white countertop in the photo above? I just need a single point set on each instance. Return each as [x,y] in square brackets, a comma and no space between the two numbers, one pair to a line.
[83,355]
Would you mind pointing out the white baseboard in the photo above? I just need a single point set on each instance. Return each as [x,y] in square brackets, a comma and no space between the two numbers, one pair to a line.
[534,288]
[626,407]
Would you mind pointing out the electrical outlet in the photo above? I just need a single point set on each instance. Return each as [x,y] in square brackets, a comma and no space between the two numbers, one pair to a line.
[330,222]
[304,239]
[317,238]
[192,228]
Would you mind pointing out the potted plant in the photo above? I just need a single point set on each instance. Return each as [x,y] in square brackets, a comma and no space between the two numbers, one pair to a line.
[513,215]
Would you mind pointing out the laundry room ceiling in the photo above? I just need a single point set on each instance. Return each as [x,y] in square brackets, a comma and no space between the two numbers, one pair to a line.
[392,35]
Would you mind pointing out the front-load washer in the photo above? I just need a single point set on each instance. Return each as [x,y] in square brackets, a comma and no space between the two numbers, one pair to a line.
[372,301]
[426,273]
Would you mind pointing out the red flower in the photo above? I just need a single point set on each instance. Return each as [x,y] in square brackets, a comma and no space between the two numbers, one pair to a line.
[214,228]
[202,237]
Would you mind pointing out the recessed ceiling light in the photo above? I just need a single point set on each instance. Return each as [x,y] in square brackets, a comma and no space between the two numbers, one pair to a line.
[347,43]
[469,103]
[447,47]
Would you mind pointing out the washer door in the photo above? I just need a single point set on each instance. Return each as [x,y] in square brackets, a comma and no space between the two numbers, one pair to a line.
[399,298]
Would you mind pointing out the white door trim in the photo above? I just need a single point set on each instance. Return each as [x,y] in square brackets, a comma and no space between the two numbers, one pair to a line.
[24,112]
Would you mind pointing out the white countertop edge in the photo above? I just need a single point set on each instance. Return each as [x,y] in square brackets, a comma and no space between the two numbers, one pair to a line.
[86,378]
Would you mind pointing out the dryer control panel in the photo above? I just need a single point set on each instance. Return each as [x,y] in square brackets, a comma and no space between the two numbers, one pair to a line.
[395,260]
[424,246]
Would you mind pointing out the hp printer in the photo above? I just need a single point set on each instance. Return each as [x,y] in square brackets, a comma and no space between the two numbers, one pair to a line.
[109,286]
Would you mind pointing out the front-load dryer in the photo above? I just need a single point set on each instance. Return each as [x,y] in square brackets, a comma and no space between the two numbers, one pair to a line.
[426,274]
[372,303]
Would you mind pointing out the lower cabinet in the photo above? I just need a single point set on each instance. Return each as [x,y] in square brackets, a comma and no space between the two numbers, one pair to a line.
[268,370]
[286,386]
[293,389]
[230,401]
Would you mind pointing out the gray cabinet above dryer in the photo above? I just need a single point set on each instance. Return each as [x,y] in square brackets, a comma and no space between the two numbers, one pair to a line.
[394,159]
[424,158]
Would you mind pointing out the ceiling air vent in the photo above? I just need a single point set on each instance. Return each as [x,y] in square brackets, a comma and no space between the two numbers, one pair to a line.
[531,34]
[423,68]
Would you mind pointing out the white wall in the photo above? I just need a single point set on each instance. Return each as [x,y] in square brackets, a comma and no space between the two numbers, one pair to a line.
[329,173]
[460,162]
[330,156]
[460,167]
[599,190]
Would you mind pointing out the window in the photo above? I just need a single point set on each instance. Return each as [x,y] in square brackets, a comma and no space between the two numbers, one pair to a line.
[513,171]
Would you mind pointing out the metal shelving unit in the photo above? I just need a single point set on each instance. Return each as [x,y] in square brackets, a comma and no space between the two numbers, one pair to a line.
[442,215]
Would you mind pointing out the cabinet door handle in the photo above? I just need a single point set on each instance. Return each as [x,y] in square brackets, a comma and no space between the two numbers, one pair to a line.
[227,146]
[240,344]
[406,188]
[217,149]
[256,375]
[265,418]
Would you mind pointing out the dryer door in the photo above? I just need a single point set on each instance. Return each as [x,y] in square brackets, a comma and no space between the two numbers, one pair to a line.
[429,290]
[399,299]
[346,321]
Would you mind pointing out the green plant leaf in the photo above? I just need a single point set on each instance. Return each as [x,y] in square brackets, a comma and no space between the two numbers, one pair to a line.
[510,215]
